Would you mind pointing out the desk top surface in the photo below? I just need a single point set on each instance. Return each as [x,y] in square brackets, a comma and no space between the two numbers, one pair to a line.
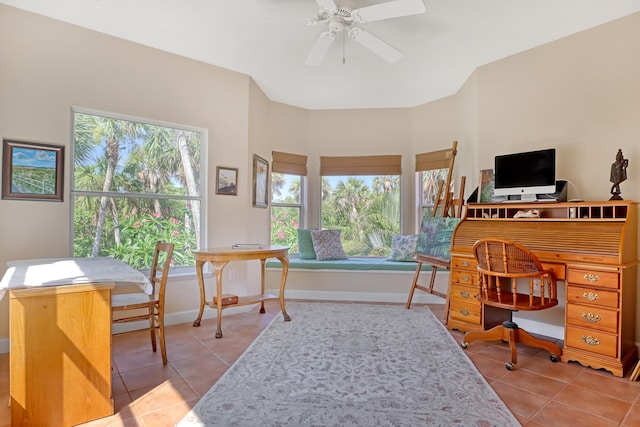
[241,252]
[39,272]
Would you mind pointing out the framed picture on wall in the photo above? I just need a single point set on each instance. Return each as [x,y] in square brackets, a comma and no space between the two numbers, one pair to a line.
[260,182]
[227,181]
[32,171]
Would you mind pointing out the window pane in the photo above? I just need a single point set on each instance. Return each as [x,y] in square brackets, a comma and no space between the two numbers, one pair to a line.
[285,188]
[365,208]
[131,229]
[134,184]
[285,222]
[430,182]
[123,156]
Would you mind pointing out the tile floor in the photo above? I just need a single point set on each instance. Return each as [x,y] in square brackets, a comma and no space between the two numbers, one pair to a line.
[539,392]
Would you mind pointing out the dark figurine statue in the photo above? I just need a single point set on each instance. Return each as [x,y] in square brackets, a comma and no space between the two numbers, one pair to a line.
[618,174]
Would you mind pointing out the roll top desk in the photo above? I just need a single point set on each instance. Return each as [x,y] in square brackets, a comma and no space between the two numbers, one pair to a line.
[591,246]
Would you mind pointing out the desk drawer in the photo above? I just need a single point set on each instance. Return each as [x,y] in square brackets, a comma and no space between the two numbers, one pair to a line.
[598,279]
[465,311]
[594,341]
[469,278]
[598,318]
[463,264]
[464,293]
[591,296]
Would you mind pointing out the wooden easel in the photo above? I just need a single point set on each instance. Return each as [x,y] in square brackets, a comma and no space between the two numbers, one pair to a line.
[446,205]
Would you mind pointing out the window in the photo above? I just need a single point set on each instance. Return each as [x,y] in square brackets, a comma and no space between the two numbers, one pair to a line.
[428,182]
[288,181]
[361,197]
[286,209]
[431,169]
[134,183]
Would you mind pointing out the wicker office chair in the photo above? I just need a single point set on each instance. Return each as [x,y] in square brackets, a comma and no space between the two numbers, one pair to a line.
[149,307]
[511,277]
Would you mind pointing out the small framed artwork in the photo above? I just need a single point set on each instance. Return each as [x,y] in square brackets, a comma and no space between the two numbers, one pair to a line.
[260,182]
[32,171]
[227,181]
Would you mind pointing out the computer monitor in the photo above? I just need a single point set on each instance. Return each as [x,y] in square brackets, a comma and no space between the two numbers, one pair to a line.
[525,174]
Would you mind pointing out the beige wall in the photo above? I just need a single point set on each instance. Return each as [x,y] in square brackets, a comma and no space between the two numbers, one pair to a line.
[580,95]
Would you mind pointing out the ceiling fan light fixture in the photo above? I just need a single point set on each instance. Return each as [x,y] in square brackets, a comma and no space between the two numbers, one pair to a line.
[341,19]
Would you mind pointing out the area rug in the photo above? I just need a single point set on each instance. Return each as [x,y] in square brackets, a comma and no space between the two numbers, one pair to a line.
[352,365]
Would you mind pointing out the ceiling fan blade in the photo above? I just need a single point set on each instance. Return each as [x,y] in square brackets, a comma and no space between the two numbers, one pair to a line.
[327,5]
[376,45]
[388,10]
[320,48]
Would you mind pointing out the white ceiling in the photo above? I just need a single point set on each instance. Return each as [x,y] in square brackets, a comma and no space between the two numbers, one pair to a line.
[269,40]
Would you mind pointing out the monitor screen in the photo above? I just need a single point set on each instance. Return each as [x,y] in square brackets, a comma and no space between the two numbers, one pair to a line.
[526,174]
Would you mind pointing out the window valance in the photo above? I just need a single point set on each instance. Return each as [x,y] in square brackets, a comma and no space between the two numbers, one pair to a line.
[361,165]
[287,163]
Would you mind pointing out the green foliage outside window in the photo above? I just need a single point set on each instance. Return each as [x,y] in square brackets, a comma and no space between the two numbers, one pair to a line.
[366,209]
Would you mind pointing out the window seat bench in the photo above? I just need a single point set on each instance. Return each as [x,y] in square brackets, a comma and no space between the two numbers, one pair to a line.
[366,279]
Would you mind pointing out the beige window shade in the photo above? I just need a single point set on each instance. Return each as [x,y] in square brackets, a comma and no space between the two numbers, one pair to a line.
[435,160]
[290,164]
[361,165]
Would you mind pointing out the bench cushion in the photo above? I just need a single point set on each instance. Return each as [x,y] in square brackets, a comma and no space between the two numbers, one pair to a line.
[353,263]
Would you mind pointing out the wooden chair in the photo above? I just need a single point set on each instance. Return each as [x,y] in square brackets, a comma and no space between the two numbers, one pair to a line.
[511,277]
[153,305]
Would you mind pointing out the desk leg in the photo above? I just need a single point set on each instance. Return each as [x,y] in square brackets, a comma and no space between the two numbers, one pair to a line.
[203,298]
[218,266]
[283,281]
[263,270]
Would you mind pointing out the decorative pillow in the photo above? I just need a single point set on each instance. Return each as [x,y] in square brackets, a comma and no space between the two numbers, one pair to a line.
[305,244]
[403,247]
[327,245]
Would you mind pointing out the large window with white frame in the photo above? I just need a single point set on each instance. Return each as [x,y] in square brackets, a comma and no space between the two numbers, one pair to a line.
[135,182]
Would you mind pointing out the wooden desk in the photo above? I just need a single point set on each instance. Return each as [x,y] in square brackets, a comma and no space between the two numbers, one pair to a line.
[60,354]
[60,331]
[220,257]
[592,246]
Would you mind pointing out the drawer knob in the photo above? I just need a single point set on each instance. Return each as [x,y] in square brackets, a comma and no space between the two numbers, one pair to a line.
[590,277]
[465,278]
[466,263]
[465,312]
[465,294]
[590,340]
[590,317]
[591,296]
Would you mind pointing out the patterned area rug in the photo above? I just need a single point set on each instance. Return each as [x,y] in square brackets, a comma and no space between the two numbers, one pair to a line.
[352,365]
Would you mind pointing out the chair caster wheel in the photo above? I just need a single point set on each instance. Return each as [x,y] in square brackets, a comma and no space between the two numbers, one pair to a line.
[464,344]
[554,358]
[510,366]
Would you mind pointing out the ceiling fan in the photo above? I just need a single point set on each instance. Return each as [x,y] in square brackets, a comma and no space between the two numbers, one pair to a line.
[342,19]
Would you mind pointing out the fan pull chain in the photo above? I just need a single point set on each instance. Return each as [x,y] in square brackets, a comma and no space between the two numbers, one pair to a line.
[343,56]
